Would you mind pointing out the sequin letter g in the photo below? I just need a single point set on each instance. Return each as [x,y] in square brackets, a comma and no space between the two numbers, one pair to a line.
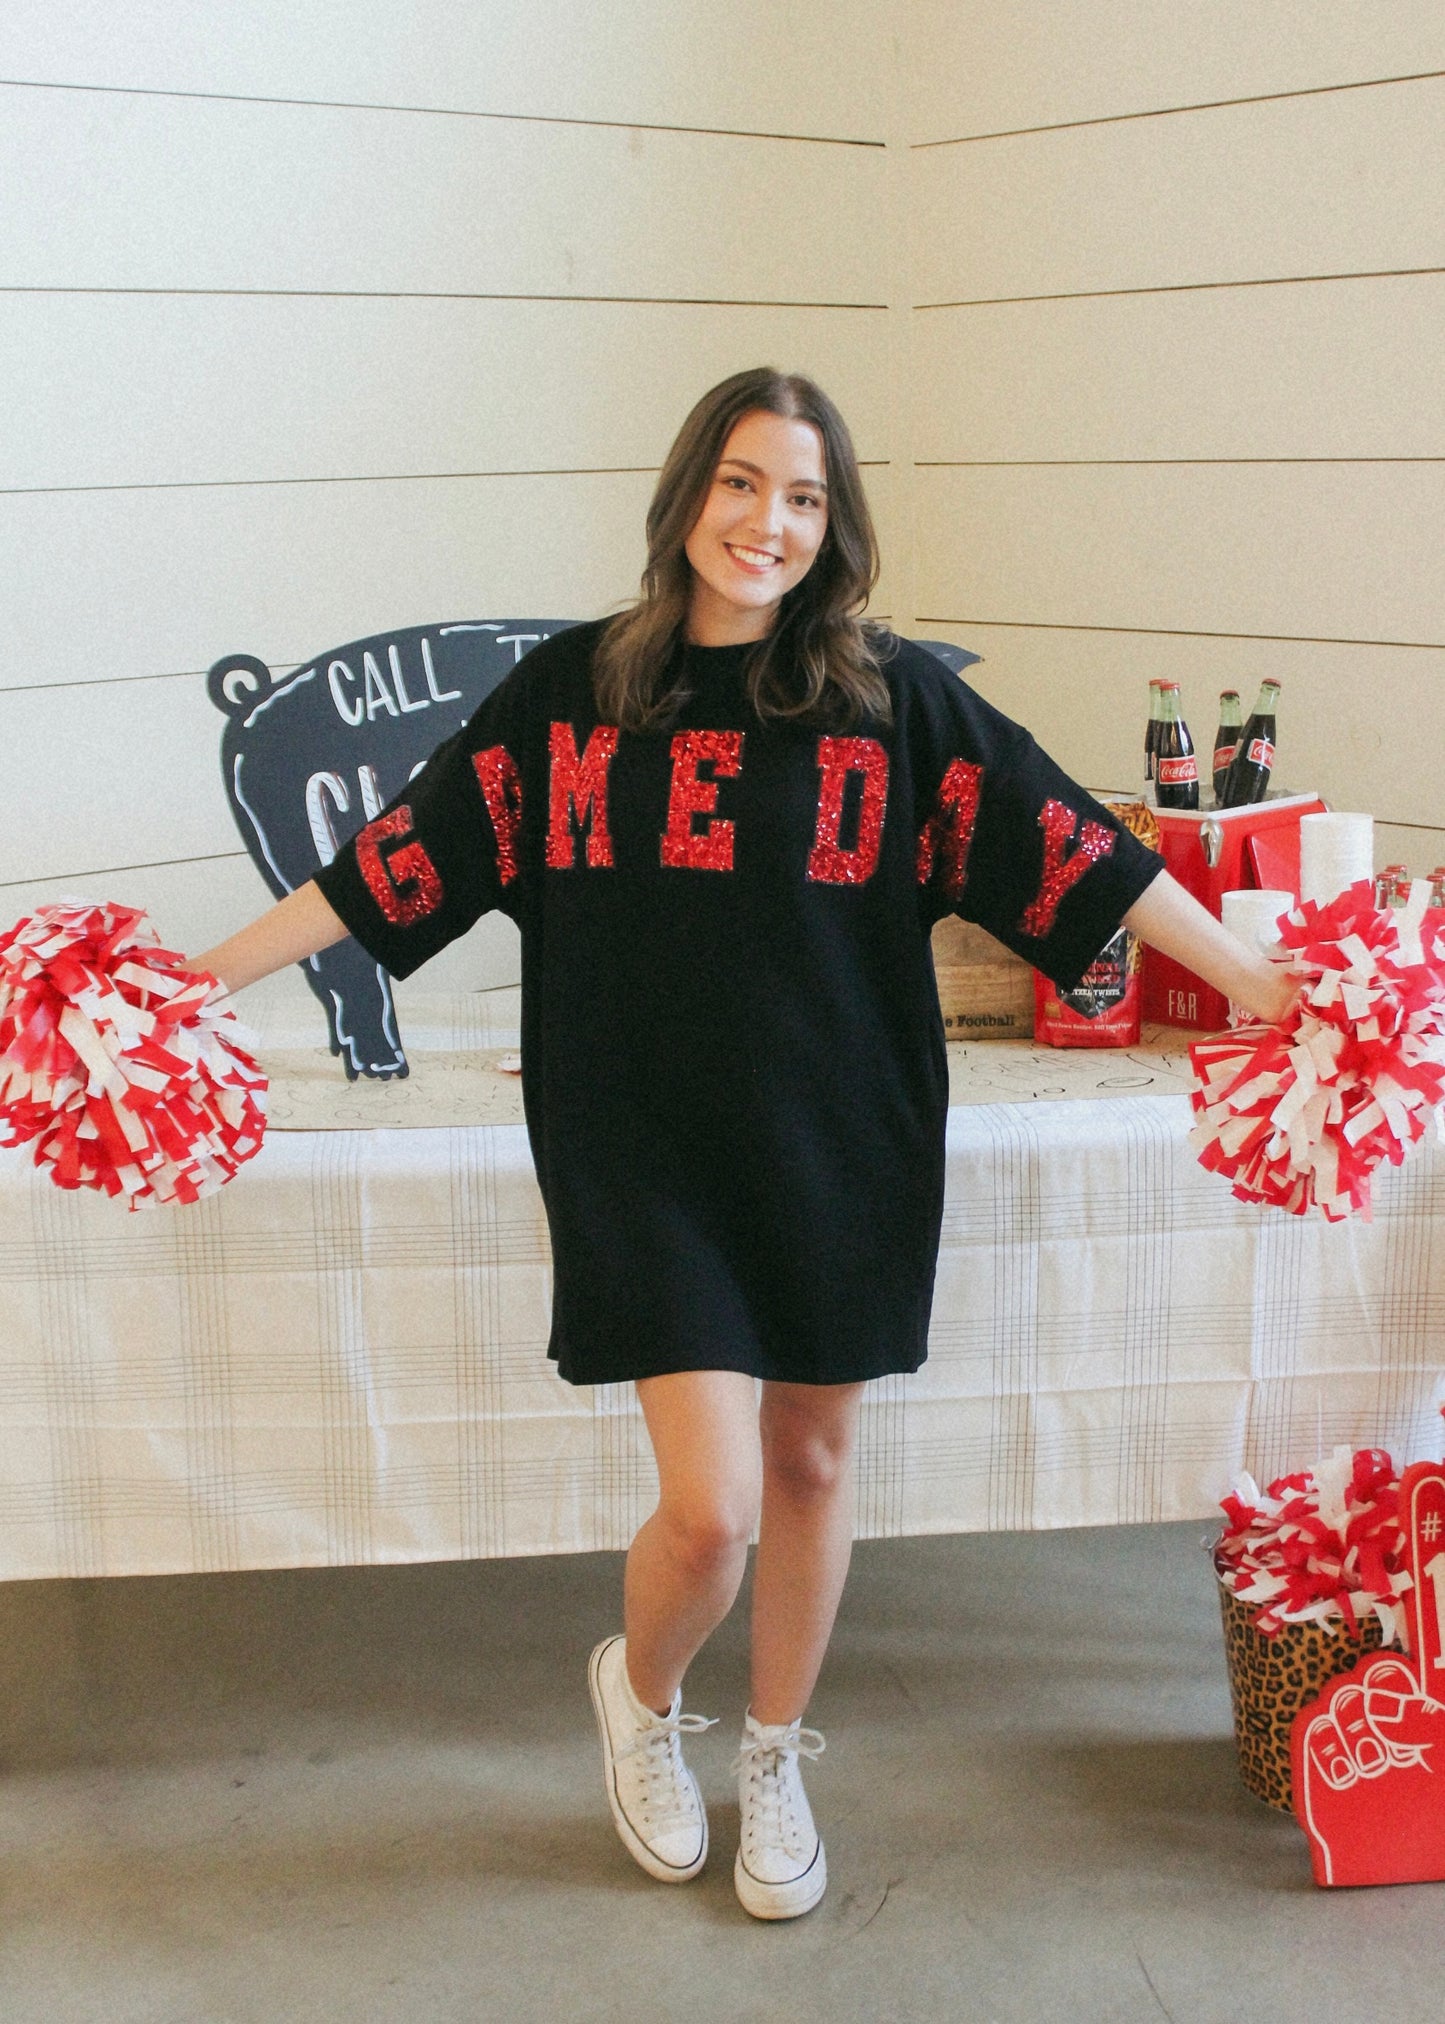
[404,884]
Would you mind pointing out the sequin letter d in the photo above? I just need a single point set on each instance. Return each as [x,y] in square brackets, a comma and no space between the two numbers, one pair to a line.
[691,796]
[404,884]
[1058,822]
[837,758]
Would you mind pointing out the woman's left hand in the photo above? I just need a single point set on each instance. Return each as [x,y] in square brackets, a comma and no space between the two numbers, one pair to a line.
[1171,920]
[1277,997]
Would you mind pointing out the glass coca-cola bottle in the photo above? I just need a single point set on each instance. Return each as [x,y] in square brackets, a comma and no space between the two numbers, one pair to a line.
[1151,738]
[1249,774]
[1176,770]
[1226,740]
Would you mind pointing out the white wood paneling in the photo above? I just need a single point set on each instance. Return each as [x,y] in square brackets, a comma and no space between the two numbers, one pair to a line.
[196,905]
[1340,184]
[114,191]
[989,66]
[787,67]
[1320,369]
[164,389]
[110,773]
[1320,551]
[1364,726]
[113,584]
[107,585]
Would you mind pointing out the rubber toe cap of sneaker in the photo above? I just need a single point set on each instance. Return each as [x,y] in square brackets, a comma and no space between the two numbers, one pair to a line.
[785,1898]
[779,1865]
[679,1848]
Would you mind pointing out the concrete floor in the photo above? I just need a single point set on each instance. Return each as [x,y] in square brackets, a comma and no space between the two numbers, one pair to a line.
[374,1794]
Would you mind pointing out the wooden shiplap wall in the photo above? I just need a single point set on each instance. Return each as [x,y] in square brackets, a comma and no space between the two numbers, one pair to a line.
[1179,276]
[321,319]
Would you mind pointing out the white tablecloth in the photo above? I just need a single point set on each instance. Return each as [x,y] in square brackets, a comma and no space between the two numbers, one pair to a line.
[340,1358]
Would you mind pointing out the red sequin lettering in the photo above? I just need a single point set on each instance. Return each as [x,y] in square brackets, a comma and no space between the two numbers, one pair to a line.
[710,849]
[948,832]
[1058,822]
[501,786]
[838,758]
[404,884]
[580,784]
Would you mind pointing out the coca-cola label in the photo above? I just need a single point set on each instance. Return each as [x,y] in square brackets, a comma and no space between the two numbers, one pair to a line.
[1224,756]
[1261,752]
[1178,772]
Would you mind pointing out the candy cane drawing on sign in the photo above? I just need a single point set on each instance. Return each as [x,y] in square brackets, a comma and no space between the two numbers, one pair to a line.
[1368,1756]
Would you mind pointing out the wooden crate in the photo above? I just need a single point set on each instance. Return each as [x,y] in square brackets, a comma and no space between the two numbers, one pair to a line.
[985,991]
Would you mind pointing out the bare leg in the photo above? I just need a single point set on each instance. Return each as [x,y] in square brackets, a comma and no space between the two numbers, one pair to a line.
[809,1433]
[686,1563]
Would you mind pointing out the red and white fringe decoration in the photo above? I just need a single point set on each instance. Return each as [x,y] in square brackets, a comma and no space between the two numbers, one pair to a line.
[1301,1114]
[126,1069]
[1324,1546]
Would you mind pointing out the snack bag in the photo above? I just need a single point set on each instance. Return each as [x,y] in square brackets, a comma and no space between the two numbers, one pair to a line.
[1105,1007]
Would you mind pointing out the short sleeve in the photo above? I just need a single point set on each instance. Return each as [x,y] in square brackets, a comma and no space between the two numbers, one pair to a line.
[447,848]
[1008,840]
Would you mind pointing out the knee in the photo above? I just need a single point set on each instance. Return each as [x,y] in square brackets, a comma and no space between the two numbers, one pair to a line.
[707,1531]
[804,1463]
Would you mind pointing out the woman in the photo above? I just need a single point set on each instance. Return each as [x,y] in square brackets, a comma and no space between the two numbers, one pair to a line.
[725,823]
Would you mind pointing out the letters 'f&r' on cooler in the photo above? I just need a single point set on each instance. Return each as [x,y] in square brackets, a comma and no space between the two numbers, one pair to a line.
[1211,854]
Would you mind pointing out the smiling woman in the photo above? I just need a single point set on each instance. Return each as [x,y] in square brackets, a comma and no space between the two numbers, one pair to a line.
[761,526]
[759,532]
[725,822]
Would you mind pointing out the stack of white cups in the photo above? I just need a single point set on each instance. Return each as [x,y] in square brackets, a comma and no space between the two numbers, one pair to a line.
[1334,852]
[1252,917]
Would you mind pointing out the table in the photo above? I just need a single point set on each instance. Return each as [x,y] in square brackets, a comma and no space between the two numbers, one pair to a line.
[341,1357]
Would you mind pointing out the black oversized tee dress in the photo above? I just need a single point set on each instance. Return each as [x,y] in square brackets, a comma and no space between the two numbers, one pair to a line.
[733,1062]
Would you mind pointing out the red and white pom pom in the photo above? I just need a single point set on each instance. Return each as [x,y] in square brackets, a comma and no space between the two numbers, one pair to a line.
[126,1069]
[1323,1546]
[1301,1114]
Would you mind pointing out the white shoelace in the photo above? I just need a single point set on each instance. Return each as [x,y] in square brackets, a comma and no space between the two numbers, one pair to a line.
[668,1795]
[770,1761]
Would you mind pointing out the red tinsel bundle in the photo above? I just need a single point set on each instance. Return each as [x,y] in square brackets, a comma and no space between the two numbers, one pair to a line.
[125,1068]
[1325,1546]
[1301,1114]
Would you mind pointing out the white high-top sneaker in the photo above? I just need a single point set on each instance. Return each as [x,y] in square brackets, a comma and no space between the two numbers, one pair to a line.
[654,1797]
[780,1870]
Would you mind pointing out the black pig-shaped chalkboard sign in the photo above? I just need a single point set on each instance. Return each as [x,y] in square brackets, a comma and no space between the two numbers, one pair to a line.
[309,757]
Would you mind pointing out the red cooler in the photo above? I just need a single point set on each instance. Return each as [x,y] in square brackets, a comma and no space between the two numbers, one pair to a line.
[1212,852]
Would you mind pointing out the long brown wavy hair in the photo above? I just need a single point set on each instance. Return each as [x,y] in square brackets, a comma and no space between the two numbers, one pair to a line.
[819,664]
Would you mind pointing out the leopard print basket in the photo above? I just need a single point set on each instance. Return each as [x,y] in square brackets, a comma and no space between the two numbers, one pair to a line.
[1270,1679]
